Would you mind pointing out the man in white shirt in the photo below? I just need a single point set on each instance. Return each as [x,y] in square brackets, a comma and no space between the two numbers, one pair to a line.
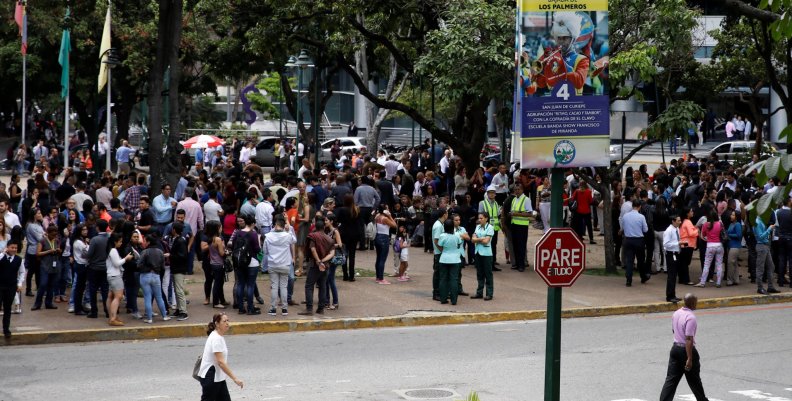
[80,197]
[244,154]
[501,183]
[11,220]
[306,166]
[391,167]
[739,125]
[104,194]
[212,209]
[672,249]
[264,211]
[748,129]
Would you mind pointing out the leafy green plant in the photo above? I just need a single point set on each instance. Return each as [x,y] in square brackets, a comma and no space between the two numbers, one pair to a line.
[473,396]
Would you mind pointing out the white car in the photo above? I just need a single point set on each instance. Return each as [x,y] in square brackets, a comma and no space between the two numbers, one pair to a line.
[347,143]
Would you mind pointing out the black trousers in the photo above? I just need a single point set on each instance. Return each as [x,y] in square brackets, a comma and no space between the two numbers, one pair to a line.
[634,248]
[79,290]
[683,267]
[7,298]
[32,265]
[348,268]
[213,391]
[676,369]
[315,277]
[436,277]
[494,245]
[519,244]
[672,261]
[97,280]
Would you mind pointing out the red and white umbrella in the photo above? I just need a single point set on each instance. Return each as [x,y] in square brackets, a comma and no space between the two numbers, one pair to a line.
[203,141]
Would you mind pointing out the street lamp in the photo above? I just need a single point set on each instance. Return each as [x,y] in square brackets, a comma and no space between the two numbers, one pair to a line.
[112,60]
[300,62]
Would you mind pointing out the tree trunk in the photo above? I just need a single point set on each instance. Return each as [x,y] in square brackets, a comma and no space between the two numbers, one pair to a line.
[156,75]
[606,225]
[172,170]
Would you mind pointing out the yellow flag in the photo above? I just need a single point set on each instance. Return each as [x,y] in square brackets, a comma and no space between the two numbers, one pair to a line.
[103,52]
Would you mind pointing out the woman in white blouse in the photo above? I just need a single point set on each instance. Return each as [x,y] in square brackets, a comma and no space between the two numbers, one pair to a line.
[115,281]
[214,369]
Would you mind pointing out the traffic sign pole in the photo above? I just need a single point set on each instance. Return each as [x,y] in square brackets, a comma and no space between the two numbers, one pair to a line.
[553,338]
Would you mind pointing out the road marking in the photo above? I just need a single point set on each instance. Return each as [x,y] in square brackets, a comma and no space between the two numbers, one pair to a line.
[273,398]
[343,381]
[722,312]
[759,395]
[630,399]
[691,397]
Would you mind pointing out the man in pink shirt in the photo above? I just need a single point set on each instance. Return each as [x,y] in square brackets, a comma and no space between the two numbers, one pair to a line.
[194,217]
[684,359]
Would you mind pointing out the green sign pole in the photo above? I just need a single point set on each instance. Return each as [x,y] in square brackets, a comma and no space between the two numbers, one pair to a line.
[553,338]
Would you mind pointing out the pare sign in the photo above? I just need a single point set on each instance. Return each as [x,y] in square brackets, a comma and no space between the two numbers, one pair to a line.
[560,257]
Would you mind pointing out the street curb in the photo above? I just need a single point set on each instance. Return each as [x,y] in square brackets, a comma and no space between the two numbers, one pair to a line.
[265,327]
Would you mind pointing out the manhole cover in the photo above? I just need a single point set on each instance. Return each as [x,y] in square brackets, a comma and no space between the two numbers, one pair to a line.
[427,394]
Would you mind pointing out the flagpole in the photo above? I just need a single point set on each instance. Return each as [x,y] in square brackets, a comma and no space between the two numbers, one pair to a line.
[109,133]
[24,96]
[66,133]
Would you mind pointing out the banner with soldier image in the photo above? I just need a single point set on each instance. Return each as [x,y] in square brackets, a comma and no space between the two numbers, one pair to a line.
[561,86]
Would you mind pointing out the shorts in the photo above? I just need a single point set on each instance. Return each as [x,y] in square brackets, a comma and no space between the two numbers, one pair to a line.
[116,283]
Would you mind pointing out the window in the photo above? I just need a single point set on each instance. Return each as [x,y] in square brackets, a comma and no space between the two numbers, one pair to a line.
[724,148]
[266,144]
[347,143]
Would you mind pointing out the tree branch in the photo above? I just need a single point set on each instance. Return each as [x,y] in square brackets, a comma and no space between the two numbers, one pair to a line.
[747,10]
[427,124]
[384,41]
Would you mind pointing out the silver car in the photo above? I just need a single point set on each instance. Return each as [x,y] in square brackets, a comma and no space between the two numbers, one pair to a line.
[264,151]
[347,143]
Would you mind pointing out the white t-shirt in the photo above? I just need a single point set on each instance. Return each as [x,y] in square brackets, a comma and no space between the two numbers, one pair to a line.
[215,343]
[212,210]
[11,220]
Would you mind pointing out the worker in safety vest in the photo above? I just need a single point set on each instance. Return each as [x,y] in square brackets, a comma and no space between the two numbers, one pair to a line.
[520,211]
[490,206]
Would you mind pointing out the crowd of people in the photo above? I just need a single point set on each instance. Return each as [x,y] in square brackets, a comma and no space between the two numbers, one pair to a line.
[77,236]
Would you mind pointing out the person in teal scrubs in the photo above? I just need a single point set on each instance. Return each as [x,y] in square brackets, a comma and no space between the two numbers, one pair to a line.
[482,238]
[450,258]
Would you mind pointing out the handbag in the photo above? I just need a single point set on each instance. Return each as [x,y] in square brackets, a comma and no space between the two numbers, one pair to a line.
[339,258]
[228,267]
[573,206]
[197,368]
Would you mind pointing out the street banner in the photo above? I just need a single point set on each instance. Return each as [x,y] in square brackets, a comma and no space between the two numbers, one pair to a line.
[103,48]
[563,111]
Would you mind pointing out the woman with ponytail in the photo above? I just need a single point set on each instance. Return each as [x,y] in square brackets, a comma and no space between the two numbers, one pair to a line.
[214,364]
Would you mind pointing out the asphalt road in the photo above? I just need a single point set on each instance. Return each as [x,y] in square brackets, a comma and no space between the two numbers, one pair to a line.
[746,355]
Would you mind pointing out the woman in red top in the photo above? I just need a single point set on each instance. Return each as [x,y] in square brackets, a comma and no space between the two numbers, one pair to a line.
[229,222]
[581,220]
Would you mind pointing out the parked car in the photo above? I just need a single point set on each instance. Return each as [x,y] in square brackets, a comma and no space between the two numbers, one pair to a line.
[347,143]
[731,150]
[264,151]
[616,152]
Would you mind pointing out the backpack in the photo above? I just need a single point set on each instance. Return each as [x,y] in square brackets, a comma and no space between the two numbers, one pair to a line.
[240,255]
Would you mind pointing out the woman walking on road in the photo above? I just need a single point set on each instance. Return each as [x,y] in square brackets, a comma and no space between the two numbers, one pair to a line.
[214,368]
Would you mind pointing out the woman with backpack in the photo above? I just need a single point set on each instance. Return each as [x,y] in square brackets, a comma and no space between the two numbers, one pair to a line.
[216,254]
[149,266]
[245,246]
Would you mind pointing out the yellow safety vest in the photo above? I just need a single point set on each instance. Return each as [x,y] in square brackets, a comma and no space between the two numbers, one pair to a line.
[493,210]
[518,205]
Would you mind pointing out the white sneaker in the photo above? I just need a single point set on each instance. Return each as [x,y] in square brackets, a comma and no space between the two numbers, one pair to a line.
[166,318]
[149,321]
[137,316]
[71,309]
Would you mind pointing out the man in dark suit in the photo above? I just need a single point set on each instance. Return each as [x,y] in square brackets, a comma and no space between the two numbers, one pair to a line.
[10,283]
[385,188]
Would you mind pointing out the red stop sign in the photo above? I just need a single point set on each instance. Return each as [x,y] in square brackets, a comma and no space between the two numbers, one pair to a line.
[560,257]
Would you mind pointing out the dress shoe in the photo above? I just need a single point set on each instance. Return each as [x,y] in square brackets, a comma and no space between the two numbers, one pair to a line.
[352,279]
[443,302]
[521,270]
[463,293]
[592,242]
[761,291]
[497,269]
[79,313]
[435,298]
[645,279]
[514,267]
[673,300]
[260,300]
[306,313]
[29,294]
[477,296]
[35,307]
[7,334]
[320,311]
[772,291]
[92,316]
[50,307]
[243,311]
[629,284]
[488,298]
[256,311]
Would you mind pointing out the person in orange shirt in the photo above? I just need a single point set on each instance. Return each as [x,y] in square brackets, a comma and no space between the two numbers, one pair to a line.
[688,234]
[103,212]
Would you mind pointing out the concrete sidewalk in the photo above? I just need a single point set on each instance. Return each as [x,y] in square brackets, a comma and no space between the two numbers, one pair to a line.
[363,303]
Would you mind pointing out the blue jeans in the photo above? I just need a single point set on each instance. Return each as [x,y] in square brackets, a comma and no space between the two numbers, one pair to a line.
[331,285]
[381,242]
[78,285]
[47,288]
[152,285]
[245,287]
[66,278]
